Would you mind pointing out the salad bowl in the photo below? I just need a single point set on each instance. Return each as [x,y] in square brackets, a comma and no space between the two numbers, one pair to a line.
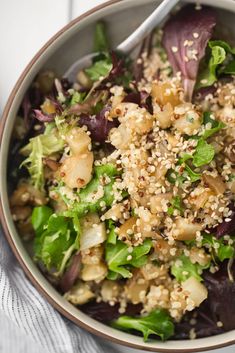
[58,54]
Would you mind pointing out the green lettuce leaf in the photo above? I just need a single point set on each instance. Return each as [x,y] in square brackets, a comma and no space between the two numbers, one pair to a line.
[77,97]
[112,236]
[209,75]
[229,69]
[101,43]
[118,257]
[188,173]
[40,217]
[173,176]
[229,66]
[176,204]
[221,62]
[192,175]
[57,237]
[183,268]
[39,147]
[222,44]
[97,107]
[216,125]
[204,153]
[88,201]
[100,68]
[219,247]
[158,323]
[102,63]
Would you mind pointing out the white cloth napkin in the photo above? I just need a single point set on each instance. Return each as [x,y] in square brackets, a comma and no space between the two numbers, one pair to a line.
[28,324]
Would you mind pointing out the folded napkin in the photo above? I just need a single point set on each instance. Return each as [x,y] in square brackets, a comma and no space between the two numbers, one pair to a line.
[28,324]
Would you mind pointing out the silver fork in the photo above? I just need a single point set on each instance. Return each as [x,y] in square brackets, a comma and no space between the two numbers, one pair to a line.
[131,41]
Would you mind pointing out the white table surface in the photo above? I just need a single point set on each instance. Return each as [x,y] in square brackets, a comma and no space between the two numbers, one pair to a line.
[25,25]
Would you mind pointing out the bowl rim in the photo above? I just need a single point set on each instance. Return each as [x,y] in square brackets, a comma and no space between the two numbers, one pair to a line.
[9,237]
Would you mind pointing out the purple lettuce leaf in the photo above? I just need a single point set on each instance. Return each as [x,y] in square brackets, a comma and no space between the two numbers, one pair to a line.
[44,118]
[201,93]
[32,100]
[98,125]
[88,105]
[219,306]
[117,71]
[71,274]
[80,108]
[118,67]
[105,313]
[143,99]
[205,325]
[221,295]
[227,228]
[185,37]
[132,97]
[146,101]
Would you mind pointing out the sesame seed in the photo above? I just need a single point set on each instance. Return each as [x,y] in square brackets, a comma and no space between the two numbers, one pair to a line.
[174,49]
[219,324]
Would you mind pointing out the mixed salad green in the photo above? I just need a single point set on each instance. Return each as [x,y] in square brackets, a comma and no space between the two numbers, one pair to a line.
[126,182]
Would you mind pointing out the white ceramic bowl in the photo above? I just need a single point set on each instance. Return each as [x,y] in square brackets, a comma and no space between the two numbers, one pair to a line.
[73,41]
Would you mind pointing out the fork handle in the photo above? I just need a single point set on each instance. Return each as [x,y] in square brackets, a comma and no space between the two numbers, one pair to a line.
[147,26]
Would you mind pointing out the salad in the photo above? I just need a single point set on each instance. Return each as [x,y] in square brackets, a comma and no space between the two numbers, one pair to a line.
[124,181]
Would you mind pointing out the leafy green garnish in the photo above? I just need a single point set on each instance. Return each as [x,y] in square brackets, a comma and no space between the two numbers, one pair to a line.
[118,256]
[112,236]
[216,125]
[222,44]
[188,174]
[185,157]
[225,252]
[39,218]
[183,268]
[230,68]
[102,63]
[192,175]
[209,75]
[204,153]
[39,147]
[101,43]
[97,108]
[173,176]
[176,204]
[158,323]
[221,62]
[99,69]
[88,201]
[77,97]
[124,79]
[57,237]
[220,248]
